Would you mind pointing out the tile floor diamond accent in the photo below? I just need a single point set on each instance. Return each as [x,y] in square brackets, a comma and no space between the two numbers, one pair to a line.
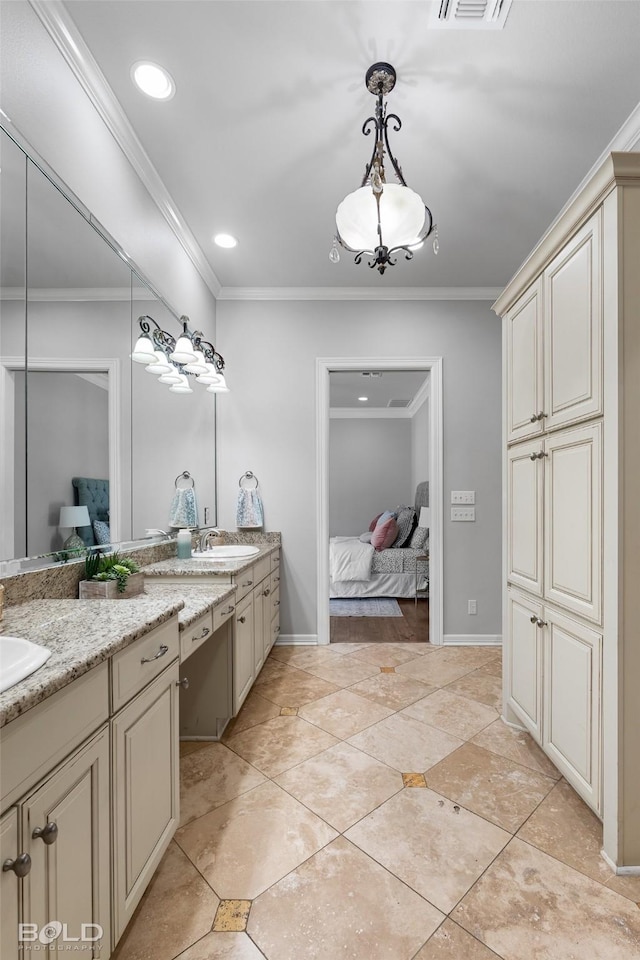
[405,743]
[413,780]
[222,946]
[253,841]
[528,904]
[387,669]
[278,744]
[344,713]
[424,841]
[341,785]
[347,907]
[211,776]
[176,910]
[232,915]
[288,711]
[451,942]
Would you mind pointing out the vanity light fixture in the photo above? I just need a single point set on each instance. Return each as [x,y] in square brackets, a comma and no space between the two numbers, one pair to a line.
[153,80]
[225,240]
[174,362]
[380,219]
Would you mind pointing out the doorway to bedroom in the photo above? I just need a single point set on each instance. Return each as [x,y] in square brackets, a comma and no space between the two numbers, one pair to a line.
[379,495]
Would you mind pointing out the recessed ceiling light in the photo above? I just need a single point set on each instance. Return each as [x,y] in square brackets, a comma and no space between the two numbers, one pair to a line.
[225,240]
[363,399]
[153,80]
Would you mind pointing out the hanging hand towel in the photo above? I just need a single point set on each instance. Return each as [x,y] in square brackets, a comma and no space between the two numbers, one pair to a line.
[249,512]
[183,511]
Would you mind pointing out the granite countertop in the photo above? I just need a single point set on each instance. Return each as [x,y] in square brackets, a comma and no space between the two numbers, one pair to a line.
[202,568]
[80,634]
[197,598]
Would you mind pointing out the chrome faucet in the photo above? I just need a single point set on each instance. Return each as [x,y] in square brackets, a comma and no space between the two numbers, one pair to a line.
[204,539]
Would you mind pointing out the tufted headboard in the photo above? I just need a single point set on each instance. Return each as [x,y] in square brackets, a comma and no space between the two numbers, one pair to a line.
[422,496]
[94,494]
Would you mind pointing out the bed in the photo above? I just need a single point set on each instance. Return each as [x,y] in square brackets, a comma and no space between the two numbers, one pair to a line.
[358,570]
[94,494]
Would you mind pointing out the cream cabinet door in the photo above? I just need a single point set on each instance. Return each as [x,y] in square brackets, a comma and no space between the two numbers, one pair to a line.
[146,789]
[524,382]
[259,603]
[66,828]
[573,520]
[10,884]
[524,660]
[572,696]
[573,330]
[266,616]
[525,522]
[243,652]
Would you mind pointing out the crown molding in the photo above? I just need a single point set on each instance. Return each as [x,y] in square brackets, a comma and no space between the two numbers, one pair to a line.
[75,51]
[359,293]
[79,294]
[421,397]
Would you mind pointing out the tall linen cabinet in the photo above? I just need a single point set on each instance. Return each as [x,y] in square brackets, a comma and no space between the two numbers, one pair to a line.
[571,620]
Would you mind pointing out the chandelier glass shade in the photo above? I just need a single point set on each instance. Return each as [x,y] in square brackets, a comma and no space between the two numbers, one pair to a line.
[379,220]
[175,362]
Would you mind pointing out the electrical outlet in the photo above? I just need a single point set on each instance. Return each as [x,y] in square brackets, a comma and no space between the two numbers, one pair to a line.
[463,496]
[472,607]
[463,513]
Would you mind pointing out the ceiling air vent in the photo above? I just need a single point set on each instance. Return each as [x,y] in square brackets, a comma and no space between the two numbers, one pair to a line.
[398,403]
[469,14]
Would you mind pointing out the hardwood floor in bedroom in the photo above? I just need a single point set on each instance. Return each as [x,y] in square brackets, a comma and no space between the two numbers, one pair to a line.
[411,627]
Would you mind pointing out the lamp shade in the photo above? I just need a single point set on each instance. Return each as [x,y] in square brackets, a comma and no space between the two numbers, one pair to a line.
[160,364]
[182,386]
[74,517]
[184,352]
[144,350]
[220,386]
[199,365]
[425,517]
[402,218]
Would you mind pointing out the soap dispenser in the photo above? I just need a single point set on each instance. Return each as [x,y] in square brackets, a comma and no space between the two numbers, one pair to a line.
[184,544]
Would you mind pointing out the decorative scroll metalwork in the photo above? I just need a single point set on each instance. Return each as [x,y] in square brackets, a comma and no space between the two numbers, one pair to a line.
[166,344]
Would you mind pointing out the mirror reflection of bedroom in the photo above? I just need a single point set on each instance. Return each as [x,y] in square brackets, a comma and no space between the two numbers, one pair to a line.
[379,506]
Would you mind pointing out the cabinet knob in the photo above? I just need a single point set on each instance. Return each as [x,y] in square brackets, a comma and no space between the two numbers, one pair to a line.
[266,592]
[161,652]
[533,619]
[541,623]
[184,683]
[20,866]
[541,415]
[533,418]
[48,834]
[276,603]
[241,619]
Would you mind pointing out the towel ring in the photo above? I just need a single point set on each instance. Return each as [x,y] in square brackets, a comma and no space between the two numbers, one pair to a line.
[185,475]
[248,475]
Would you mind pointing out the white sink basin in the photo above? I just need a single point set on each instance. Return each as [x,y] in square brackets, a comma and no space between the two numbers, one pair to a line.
[18,659]
[231,551]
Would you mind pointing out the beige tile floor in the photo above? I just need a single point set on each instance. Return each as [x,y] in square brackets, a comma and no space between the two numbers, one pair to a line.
[368,804]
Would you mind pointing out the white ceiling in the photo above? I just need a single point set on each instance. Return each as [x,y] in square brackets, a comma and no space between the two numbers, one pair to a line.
[392,385]
[263,137]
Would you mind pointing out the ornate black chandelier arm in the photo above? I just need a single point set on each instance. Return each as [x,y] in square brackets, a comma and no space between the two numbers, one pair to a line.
[398,125]
[158,336]
[210,353]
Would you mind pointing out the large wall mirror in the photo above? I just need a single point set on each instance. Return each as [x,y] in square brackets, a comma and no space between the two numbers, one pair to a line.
[80,424]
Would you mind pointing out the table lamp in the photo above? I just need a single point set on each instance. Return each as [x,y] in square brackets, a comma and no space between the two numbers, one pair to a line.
[425,517]
[74,517]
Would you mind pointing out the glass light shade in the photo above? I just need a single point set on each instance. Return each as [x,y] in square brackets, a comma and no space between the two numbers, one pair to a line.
[143,351]
[220,386]
[160,365]
[182,386]
[184,352]
[173,377]
[74,517]
[402,215]
[211,376]
[199,365]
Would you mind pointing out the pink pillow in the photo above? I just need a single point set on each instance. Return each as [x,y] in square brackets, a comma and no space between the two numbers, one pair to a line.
[384,534]
[373,523]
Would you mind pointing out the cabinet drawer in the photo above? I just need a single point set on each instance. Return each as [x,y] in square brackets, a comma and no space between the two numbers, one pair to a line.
[245,582]
[34,743]
[275,579]
[222,613]
[275,559]
[261,570]
[133,668]
[195,635]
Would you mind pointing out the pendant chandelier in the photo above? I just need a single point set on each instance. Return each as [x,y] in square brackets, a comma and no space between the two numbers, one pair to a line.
[381,219]
[174,362]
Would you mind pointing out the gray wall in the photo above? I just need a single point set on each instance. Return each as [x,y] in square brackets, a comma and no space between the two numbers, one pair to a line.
[369,471]
[420,445]
[268,424]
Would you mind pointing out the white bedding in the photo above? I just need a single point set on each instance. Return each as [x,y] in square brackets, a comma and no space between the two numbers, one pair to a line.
[350,559]
[380,585]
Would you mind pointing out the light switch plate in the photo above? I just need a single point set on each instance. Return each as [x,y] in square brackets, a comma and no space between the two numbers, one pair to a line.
[463,513]
[463,496]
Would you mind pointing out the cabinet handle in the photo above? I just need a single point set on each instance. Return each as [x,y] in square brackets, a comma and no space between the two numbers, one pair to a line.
[533,418]
[21,866]
[276,603]
[276,579]
[231,608]
[201,636]
[161,652]
[241,619]
[538,456]
[184,683]
[247,583]
[541,623]
[48,834]
[266,592]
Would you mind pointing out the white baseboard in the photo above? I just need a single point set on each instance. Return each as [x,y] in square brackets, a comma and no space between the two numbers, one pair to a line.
[620,871]
[296,638]
[474,639]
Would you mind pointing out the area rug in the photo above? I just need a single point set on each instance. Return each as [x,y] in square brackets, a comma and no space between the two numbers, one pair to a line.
[368,607]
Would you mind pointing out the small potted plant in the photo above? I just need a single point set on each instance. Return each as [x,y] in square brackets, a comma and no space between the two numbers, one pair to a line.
[110,577]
